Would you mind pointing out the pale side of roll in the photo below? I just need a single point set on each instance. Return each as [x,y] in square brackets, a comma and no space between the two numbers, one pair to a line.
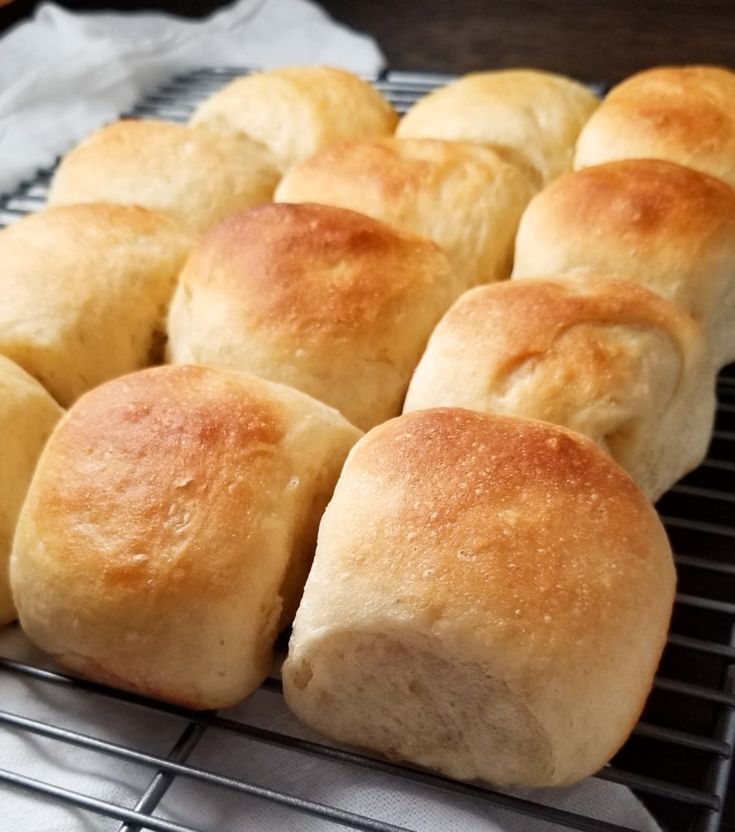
[490,598]
[27,417]
[605,358]
[296,111]
[684,114]
[85,290]
[169,528]
[326,300]
[531,118]
[461,195]
[195,176]
[659,224]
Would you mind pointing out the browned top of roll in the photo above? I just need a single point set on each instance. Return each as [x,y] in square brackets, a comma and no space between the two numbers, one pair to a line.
[84,290]
[530,118]
[461,195]
[659,223]
[196,176]
[298,110]
[447,471]
[685,114]
[326,300]
[321,273]
[606,358]
[518,320]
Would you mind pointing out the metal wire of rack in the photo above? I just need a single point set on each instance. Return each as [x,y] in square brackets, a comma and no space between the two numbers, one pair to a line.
[677,760]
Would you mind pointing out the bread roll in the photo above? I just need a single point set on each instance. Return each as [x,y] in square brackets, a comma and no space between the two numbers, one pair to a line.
[530,118]
[194,176]
[296,111]
[462,196]
[685,114]
[85,290]
[605,358]
[495,609]
[326,300]
[172,516]
[27,416]
[658,224]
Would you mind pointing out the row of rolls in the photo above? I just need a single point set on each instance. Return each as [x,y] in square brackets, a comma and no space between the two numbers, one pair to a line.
[492,587]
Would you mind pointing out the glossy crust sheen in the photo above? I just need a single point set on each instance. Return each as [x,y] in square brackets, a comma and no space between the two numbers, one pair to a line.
[530,118]
[27,416]
[172,515]
[296,111]
[85,289]
[462,196]
[495,609]
[685,114]
[194,176]
[605,358]
[659,224]
[326,300]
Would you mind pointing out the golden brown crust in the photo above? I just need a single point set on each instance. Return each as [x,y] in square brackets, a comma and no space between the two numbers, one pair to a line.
[665,226]
[195,176]
[606,358]
[159,491]
[515,548]
[315,297]
[685,114]
[164,520]
[85,289]
[297,111]
[460,195]
[530,118]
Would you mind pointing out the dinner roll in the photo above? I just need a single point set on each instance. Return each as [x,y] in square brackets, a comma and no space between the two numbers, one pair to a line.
[489,598]
[659,224]
[296,111]
[685,114]
[326,300]
[194,176]
[170,522]
[85,290]
[605,358]
[27,416]
[462,196]
[530,118]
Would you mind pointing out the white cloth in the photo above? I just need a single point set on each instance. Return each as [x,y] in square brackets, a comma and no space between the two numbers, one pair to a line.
[63,74]
[213,809]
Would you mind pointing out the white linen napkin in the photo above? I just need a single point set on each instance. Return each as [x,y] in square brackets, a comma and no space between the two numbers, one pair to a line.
[209,808]
[64,74]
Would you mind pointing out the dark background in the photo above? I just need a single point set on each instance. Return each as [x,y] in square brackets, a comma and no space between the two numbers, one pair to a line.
[588,40]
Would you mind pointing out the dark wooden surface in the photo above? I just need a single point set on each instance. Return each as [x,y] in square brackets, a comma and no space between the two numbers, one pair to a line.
[588,40]
[602,41]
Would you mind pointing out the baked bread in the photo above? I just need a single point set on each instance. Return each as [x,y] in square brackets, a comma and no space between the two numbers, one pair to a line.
[530,118]
[170,522]
[656,223]
[195,176]
[27,416]
[326,300]
[605,358]
[296,111]
[489,598]
[85,291]
[685,114]
[462,196]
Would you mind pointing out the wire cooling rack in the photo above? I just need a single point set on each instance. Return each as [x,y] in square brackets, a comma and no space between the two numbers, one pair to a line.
[677,759]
